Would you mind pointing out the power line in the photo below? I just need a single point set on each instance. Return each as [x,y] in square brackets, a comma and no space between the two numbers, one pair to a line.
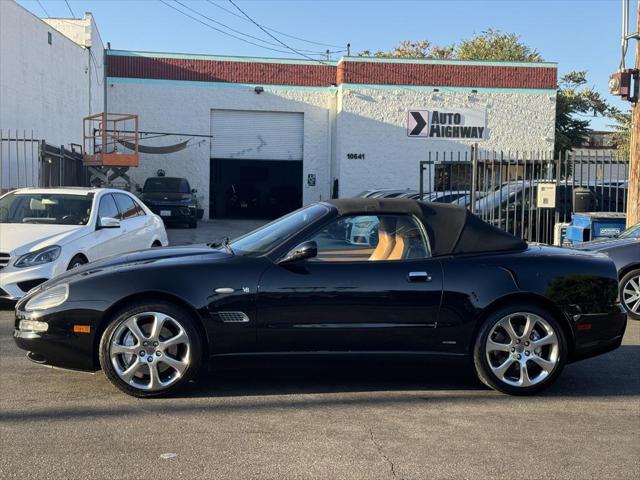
[95,66]
[43,9]
[73,15]
[297,52]
[237,31]
[219,30]
[278,32]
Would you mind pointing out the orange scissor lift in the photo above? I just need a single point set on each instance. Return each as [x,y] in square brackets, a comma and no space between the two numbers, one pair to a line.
[110,143]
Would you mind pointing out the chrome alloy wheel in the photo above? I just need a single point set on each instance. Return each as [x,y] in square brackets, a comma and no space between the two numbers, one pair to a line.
[631,294]
[150,351]
[522,349]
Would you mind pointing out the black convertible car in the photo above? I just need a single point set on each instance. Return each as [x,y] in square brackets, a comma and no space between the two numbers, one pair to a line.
[428,278]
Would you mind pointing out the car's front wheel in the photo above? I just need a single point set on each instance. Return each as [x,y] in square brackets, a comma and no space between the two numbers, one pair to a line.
[630,293]
[76,262]
[150,350]
[520,350]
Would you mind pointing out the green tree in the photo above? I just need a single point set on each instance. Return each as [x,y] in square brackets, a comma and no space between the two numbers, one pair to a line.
[413,49]
[576,101]
[622,129]
[493,45]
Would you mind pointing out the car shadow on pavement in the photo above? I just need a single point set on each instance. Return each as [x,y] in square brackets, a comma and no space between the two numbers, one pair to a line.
[278,384]
[613,374]
[247,376]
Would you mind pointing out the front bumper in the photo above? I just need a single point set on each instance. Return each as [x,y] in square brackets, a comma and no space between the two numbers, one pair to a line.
[60,346]
[16,282]
[174,213]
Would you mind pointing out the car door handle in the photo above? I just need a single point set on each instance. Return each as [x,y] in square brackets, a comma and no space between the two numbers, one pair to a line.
[418,277]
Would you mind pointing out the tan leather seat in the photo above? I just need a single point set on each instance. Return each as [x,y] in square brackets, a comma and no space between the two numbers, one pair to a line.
[404,229]
[386,240]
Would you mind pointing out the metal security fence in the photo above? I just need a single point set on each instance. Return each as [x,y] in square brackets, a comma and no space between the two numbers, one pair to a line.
[19,159]
[528,194]
[26,161]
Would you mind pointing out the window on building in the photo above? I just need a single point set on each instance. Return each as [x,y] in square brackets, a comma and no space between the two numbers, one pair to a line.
[49,38]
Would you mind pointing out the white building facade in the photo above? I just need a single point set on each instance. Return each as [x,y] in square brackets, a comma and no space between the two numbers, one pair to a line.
[51,76]
[353,130]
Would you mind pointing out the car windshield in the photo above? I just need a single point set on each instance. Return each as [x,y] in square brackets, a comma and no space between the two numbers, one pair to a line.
[166,185]
[632,232]
[47,208]
[266,238]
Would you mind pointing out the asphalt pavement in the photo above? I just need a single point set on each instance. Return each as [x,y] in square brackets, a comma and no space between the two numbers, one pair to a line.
[376,417]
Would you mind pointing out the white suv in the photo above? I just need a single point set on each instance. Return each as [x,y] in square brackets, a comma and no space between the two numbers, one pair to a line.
[46,231]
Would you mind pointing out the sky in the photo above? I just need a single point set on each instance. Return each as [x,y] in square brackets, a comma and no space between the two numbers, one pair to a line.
[577,34]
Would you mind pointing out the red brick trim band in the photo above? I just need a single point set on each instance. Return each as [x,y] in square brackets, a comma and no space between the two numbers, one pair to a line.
[220,71]
[372,73]
[447,75]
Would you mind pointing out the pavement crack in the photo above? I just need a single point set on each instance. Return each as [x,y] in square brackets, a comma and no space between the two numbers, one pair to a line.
[382,454]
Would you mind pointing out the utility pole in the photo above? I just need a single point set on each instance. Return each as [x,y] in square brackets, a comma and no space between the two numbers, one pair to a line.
[633,195]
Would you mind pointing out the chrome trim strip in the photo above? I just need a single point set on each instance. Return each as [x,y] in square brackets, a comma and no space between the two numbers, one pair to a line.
[224,290]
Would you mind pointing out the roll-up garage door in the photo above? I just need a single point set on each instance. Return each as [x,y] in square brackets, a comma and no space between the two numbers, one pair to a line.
[254,135]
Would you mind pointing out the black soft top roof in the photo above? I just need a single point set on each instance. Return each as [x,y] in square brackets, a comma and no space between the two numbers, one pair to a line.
[451,229]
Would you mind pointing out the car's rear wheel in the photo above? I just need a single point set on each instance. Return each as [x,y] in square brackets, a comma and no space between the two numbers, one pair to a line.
[76,262]
[150,350]
[520,350]
[630,293]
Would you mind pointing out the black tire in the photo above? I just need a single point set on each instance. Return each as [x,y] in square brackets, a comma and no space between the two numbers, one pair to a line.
[632,276]
[156,244]
[193,224]
[182,317]
[480,355]
[76,262]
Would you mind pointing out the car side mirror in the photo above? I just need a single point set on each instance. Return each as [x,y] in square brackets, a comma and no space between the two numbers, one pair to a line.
[301,252]
[138,188]
[108,222]
[194,190]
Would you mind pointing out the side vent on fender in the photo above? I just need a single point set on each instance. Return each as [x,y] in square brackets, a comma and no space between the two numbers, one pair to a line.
[233,317]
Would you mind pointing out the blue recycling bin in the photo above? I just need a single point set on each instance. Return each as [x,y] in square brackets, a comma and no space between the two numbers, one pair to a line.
[592,225]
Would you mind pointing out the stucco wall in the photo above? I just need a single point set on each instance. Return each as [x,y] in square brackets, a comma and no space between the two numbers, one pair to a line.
[185,107]
[44,88]
[373,121]
[349,119]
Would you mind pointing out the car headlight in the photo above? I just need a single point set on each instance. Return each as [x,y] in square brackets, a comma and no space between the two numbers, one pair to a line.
[49,298]
[39,257]
[33,326]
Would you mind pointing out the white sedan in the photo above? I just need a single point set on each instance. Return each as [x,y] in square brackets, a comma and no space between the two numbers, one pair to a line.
[47,231]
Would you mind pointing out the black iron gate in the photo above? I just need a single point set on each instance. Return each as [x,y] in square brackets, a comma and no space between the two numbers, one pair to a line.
[62,167]
[528,194]
[26,161]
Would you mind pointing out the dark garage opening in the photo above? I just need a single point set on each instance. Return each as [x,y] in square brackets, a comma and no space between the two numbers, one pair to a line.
[254,188]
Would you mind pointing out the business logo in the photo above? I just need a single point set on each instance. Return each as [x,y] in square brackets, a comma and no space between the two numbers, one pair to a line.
[444,124]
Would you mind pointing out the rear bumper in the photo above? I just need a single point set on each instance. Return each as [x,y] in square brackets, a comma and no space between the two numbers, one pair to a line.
[597,334]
